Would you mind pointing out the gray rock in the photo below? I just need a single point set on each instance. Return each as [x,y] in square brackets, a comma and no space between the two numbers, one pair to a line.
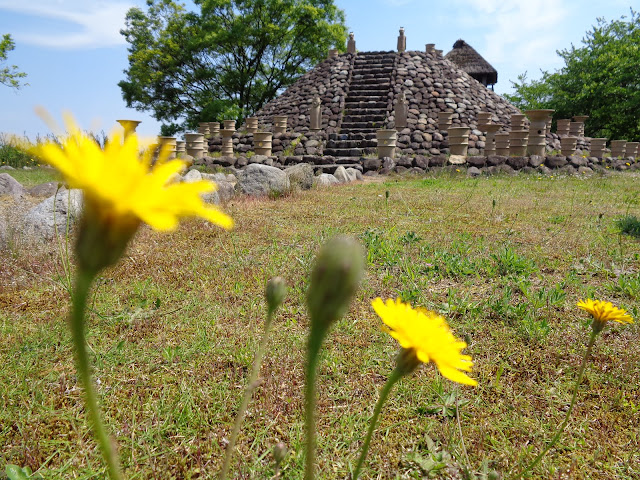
[10,186]
[457,160]
[6,167]
[493,160]
[536,160]
[300,176]
[258,179]
[584,170]
[372,164]
[341,175]
[225,185]
[325,180]
[44,189]
[437,161]
[477,161]
[354,174]
[41,221]
[555,162]
[192,176]
[517,162]
[473,172]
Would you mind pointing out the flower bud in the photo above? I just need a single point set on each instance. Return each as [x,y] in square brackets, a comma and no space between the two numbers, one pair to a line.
[275,293]
[279,452]
[407,361]
[335,278]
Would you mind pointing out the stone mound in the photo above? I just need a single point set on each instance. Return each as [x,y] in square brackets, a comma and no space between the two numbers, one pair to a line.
[430,82]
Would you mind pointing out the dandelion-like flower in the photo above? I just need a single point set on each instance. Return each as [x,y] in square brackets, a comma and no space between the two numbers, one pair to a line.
[427,335]
[121,189]
[603,312]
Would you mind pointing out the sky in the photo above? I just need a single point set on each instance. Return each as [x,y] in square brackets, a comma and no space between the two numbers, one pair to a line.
[74,55]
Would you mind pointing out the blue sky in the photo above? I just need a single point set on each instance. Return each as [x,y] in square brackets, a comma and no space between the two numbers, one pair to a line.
[74,55]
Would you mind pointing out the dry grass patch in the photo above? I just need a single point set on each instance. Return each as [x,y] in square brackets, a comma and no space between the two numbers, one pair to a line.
[173,330]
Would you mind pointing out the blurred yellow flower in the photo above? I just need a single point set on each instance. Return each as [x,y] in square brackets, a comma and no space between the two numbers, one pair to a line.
[602,312]
[122,187]
[426,334]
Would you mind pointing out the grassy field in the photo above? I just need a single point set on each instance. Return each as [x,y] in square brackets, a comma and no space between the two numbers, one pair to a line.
[173,330]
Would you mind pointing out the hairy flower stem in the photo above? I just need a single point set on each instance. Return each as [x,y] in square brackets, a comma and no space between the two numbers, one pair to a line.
[555,438]
[315,342]
[84,280]
[396,375]
[248,393]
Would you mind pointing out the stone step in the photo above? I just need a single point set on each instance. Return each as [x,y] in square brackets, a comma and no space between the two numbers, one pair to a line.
[357,119]
[367,87]
[343,152]
[365,131]
[356,112]
[370,73]
[351,143]
[370,124]
[367,104]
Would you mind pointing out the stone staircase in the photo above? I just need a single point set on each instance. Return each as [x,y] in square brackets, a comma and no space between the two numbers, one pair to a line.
[365,105]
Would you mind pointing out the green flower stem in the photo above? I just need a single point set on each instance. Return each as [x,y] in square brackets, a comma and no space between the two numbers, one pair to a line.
[555,438]
[396,375]
[84,280]
[315,342]
[248,393]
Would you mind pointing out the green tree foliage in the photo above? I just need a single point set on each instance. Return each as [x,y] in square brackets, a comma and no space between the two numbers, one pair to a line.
[601,79]
[9,75]
[227,60]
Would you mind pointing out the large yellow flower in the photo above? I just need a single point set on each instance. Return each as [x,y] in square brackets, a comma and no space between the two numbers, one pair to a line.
[120,185]
[602,312]
[426,334]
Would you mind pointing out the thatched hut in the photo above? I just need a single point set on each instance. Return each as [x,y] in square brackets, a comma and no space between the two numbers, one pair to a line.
[465,56]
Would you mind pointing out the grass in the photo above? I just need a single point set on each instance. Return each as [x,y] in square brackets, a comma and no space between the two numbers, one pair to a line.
[173,330]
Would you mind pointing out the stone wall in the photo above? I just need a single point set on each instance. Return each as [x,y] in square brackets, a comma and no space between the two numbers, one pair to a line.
[328,80]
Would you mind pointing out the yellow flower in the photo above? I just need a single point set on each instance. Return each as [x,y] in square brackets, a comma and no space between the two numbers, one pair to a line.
[426,334]
[120,185]
[121,189]
[602,312]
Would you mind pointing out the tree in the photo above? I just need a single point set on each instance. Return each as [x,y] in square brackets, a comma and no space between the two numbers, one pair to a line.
[226,61]
[9,75]
[600,79]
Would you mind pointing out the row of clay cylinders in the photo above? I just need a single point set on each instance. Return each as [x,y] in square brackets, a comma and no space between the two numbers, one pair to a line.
[227,137]
[459,140]
[194,144]
[567,128]
[209,129]
[280,123]
[540,122]
[387,140]
[485,124]
[172,145]
[622,148]
[518,135]
[262,143]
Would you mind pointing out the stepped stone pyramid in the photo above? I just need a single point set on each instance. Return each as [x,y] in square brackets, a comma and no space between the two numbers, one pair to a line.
[359,91]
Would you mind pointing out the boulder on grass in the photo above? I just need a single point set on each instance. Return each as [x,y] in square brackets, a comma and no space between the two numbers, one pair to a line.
[10,186]
[56,212]
[325,180]
[300,176]
[257,179]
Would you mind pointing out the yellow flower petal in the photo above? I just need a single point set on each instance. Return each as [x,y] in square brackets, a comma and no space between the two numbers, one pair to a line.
[428,335]
[121,185]
[603,312]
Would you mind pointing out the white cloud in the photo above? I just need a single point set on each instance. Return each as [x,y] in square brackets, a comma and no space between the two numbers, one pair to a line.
[522,33]
[93,23]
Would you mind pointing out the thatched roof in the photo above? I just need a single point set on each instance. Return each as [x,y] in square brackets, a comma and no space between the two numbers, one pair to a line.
[465,56]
